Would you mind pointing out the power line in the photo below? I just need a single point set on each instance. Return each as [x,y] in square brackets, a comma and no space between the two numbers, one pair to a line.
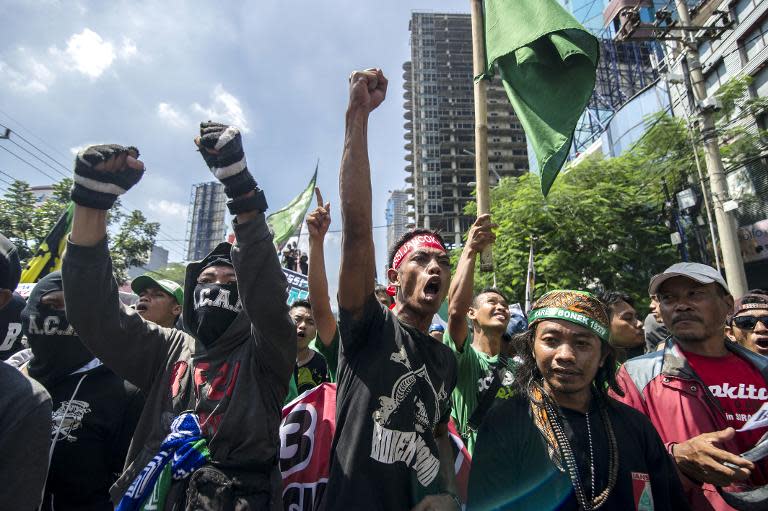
[30,132]
[37,157]
[25,161]
[37,148]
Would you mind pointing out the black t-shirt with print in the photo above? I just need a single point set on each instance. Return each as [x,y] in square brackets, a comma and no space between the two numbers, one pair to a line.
[10,327]
[311,374]
[394,388]
[647,479]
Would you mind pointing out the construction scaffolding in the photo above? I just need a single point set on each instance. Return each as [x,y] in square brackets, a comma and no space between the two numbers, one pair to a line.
[206,226]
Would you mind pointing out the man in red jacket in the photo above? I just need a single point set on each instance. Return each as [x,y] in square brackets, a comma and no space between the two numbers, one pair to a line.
[701,388]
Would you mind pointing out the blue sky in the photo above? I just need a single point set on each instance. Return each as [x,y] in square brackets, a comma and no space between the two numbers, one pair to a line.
[145,73]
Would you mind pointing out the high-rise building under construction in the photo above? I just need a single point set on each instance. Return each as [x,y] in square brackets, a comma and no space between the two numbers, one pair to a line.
[206,226]
[439,113]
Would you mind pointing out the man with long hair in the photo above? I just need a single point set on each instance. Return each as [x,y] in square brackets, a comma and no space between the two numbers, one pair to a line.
[560,441]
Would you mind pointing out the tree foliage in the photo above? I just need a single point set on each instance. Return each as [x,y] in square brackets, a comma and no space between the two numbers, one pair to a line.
[603,224]
[27,224]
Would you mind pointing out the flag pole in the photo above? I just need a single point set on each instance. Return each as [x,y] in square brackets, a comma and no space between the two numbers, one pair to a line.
[481,125]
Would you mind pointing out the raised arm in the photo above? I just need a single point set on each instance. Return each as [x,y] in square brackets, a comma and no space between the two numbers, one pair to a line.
[317,223]
[367,89]
[127,344]
[462,284]
[261,283]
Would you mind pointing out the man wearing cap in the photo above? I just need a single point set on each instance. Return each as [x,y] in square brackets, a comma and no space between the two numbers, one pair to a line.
[477,325]
[220,382]
[160,300]
[748,325]
[25,414]
[560,442]
[700,388]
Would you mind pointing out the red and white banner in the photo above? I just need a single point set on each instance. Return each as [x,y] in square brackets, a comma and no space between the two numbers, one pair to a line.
[306,434]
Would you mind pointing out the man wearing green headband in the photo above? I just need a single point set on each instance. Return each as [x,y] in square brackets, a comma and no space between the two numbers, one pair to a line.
[160,300]
[560,441]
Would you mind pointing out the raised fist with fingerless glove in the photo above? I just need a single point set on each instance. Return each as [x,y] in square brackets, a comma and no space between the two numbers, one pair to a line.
[222,149]
[98,189]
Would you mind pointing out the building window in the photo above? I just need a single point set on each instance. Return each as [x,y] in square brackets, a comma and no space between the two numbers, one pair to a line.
[434,207]
[755,40]
[715,77]
[434,194]
[744,8]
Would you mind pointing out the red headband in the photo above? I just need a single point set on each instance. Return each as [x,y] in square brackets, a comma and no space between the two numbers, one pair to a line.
[422,240]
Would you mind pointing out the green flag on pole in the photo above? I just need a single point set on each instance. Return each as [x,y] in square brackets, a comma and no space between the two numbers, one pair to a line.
[547,62]
[286,221]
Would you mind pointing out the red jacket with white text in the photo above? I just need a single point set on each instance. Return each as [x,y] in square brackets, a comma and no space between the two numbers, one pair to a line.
[664,387]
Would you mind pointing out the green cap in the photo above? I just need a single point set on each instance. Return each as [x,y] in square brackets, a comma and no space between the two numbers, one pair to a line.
[142,282]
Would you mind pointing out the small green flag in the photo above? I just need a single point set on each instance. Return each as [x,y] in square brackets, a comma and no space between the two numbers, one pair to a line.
[547,62]
[286,221]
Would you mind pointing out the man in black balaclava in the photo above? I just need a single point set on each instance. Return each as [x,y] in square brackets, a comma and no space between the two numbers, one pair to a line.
[232,363]
[25,414]
[94,410]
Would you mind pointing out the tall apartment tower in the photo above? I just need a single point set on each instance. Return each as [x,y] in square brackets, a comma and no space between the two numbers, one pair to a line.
[439,113]
[396,215]
[206,226]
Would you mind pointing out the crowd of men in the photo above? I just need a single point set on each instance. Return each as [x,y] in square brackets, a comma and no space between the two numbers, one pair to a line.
[175,402]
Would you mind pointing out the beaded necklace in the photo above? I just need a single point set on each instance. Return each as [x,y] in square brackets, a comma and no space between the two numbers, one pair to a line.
[549,421]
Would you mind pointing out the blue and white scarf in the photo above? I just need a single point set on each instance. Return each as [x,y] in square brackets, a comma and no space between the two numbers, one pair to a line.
[185,449]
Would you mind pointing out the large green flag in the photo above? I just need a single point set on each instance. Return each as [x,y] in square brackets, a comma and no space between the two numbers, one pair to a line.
[547,62]
[286,221]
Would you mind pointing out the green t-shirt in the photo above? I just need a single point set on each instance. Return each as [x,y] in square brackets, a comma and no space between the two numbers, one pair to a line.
[331,353]
[474,376]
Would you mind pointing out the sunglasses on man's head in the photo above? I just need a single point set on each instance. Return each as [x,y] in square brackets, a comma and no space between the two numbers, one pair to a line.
[750,322]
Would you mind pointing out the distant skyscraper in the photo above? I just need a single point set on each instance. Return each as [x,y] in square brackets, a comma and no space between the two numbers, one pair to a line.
[206,226]
[158,260]
[397,216]
[440,124]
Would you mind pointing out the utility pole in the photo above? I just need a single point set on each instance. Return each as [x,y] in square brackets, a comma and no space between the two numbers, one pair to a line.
[726,225]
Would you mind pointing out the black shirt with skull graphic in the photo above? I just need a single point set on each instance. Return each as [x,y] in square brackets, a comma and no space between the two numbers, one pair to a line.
[394,388]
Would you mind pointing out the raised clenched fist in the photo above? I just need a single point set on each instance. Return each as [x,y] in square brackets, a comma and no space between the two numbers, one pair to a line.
[102,172]
[222,149]
[367,89]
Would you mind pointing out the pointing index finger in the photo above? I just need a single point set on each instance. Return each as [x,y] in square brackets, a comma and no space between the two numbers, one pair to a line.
[319,197]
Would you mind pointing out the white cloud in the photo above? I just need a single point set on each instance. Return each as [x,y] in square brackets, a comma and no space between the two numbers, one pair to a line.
[168,208]
[128,49]
[170,115]
[225,108]
[29,75]
[87,53]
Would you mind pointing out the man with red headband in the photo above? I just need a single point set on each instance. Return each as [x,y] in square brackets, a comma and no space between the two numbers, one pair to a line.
[391,449]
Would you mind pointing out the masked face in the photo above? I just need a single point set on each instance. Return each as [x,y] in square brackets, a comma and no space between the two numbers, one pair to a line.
[56,348]
[216,307]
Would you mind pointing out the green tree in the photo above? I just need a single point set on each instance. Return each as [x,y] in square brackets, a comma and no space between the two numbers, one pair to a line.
[600,226]
[17,220]
[27,225]
[604,222]
[175,272]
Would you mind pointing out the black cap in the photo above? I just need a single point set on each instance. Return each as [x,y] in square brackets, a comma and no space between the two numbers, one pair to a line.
[10,267]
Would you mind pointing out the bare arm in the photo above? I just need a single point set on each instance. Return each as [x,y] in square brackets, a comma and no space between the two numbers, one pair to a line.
[463,281]
[317,223]
[356,276]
